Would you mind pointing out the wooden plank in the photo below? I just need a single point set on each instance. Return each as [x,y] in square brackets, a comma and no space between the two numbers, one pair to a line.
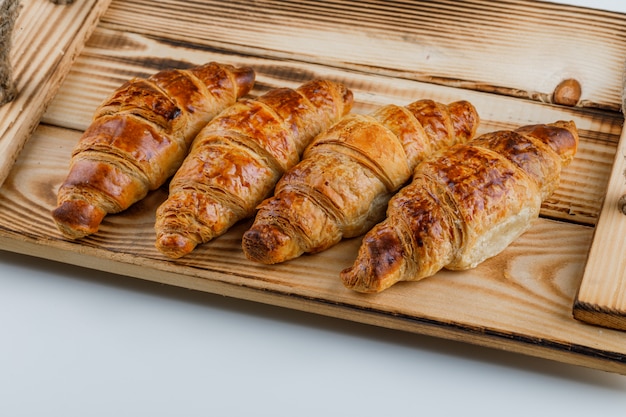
[47,39]
[601,299]
[515,47]
[520,300]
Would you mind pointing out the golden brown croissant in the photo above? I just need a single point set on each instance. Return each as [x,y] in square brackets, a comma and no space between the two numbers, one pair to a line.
[464,206]
[236,160]
[139,137]
[341,187]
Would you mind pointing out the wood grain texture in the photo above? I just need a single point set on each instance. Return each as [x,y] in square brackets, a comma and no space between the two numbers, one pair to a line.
[519,300]
[47,39]
[601,298]
[520,48]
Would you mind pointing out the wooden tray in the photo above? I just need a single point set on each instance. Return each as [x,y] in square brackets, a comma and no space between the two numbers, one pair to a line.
[506,57]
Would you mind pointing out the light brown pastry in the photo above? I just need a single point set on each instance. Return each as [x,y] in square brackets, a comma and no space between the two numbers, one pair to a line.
[236,160]
[341,187]
[139,137]
[464,206]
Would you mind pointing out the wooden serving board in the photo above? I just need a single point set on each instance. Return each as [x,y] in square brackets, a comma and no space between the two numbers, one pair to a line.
[506,57]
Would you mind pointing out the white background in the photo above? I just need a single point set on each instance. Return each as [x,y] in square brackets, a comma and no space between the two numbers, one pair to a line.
[77,342]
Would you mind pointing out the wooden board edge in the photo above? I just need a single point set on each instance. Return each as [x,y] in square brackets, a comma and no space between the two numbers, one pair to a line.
[601,297]
[599,316]
[567,353]
[47,86]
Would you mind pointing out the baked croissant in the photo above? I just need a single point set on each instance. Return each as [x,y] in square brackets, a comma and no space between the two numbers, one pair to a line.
[341,187]
[464,206]
[236,160]
[139,136]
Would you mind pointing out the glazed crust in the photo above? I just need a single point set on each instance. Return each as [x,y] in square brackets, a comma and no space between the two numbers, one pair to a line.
[237,159]
[341,187]
[139,136]
[464,206]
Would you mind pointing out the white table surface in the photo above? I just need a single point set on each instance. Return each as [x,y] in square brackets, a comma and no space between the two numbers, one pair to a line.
[78,342]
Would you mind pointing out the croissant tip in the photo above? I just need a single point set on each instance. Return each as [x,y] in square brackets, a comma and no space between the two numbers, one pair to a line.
[361,278]
[379,263]
[269,244]
[350,278]
[174,245]
[245,77]
[77,218]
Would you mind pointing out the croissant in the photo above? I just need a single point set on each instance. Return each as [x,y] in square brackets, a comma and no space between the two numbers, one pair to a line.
[341,187]
[236,160]
[139,136]
[464,206]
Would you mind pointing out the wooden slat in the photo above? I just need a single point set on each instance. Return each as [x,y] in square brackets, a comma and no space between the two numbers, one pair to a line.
[601,299]
[47,39]
[520,48]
